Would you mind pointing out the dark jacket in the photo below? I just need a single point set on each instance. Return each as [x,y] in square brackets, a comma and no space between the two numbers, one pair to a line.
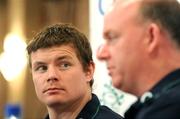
[164,103]
[93,110]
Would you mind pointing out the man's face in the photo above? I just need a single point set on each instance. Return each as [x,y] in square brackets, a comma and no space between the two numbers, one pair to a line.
[58,76]
[123,48]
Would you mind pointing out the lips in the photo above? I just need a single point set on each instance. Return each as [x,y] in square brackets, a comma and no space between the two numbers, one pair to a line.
[52,90]
[109,73]
[110,70]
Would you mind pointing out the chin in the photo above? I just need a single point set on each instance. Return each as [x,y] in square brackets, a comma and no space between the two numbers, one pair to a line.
[52,103]
[117,83]
[52,100]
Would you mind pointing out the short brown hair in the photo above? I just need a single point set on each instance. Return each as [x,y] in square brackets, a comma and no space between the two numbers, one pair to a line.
[63,34]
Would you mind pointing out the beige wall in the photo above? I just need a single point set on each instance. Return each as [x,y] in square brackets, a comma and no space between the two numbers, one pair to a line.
[69,11]
[39,13]
[3,29]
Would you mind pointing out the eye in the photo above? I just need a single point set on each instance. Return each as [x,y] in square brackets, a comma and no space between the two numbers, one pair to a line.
[64,65]
[41,68]
[112,38]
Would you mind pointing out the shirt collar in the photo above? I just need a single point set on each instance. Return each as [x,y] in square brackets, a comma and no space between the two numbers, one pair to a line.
[167,81]
[170,81]
[89,110]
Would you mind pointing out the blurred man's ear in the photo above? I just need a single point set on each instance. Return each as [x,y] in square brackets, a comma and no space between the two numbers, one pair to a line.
[153,37]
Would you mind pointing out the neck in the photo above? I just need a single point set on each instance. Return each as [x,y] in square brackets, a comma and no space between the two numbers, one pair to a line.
[69,111]
[157,70]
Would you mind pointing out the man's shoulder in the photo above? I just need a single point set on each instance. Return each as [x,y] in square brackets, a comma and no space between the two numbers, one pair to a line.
[108,113]
[166,106]
[170,96]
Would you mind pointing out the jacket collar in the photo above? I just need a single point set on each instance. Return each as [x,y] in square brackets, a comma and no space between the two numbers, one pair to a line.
[90,109]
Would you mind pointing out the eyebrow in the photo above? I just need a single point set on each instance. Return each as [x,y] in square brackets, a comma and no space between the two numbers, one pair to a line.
[107,33]
[58,59]
[64,57]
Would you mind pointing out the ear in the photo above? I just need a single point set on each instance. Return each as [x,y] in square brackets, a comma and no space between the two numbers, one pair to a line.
[90,71]
[153,37]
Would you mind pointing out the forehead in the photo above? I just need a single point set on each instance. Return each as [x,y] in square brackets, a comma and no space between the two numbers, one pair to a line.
[123,8]
[122,11]
[53,52]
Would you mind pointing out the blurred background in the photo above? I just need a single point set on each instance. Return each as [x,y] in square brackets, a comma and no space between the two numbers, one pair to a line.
[19,21]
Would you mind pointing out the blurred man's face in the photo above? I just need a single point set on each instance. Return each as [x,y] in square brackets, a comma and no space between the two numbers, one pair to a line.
[123,50]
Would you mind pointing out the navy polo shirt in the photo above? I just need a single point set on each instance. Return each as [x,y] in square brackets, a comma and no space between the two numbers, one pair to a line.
[93,110]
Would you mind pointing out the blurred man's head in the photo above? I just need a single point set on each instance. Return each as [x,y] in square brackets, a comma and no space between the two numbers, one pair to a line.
[138,38]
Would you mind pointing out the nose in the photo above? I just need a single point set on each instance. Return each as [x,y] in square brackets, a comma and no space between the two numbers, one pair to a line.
[52,75]
[102,52]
